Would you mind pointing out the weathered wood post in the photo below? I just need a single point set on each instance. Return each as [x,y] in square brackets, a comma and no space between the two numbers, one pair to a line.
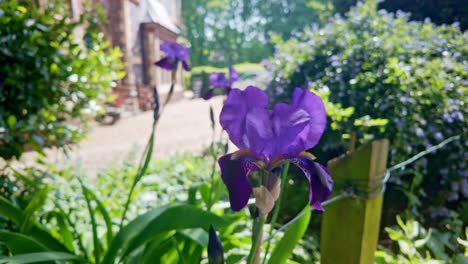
[350,227]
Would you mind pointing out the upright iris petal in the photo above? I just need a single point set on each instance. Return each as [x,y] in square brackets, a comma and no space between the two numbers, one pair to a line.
[175,53]
[270,137]
[237,106]
[313,105]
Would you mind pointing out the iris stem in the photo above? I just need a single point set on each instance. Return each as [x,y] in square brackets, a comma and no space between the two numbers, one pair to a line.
[148,151]
[274,217]
[257,237]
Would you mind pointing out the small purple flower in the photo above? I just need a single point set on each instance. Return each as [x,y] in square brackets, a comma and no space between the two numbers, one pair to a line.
[267,138]
[219,81]
[175,52]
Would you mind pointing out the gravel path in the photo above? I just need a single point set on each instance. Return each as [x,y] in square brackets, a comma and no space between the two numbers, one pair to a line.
[184,126]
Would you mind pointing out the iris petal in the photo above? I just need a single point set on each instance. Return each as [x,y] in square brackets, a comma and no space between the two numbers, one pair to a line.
[234,113]
[313,105]
[319,178]
[166,63]
[234,173]
[186,66]
[288,122]
[233,75]
[174,50]
[218,79]
[208,94]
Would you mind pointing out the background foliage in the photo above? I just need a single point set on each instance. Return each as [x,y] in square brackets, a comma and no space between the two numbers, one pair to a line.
[226,32]
[384,76]
[49,79]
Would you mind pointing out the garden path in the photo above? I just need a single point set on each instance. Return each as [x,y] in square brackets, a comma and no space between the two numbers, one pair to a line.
[184,126]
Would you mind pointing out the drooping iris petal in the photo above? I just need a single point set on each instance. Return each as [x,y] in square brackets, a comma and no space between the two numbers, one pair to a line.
[208,94]
[234,173]
[320,181]
[313,105]
[234,113]
[166,63]
[233,75]
[218,79]
[186,66]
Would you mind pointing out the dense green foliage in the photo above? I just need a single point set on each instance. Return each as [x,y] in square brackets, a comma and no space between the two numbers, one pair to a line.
[48,78]
[222,33]
[439,12]
[173,205]
[386,77]
[417,244]
[225,32]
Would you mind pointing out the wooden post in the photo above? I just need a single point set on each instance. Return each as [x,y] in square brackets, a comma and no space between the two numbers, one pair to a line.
[350,227]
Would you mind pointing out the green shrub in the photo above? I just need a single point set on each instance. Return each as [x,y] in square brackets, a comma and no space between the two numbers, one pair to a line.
[49,80]
[386,77]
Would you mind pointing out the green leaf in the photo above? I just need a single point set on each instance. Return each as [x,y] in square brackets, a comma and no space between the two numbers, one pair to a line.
[36,203]
[64,230]
[421,242]
[291,238]
[197,235]
[96,242]
[149,225]
[11,121]
[104,213]
[20,244]
[38,257]
[152,249]
[10,211]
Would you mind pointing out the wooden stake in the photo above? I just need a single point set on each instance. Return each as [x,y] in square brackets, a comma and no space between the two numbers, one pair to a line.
[350,227]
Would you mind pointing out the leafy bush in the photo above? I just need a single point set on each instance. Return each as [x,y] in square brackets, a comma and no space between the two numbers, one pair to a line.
[49,79]
[386,77]
[417,244]
[68,214]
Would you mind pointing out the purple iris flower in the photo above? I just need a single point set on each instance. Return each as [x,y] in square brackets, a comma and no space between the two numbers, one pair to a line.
[175,52]
[219,81]
[267,138]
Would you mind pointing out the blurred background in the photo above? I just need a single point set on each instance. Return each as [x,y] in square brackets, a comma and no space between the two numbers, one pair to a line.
[76,101]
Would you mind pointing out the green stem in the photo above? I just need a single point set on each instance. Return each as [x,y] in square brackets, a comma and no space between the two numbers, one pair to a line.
[276,210]
[148,152]
[257,237]
[143,165]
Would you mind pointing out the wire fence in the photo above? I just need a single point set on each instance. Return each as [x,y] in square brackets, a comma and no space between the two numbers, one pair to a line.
[354,187]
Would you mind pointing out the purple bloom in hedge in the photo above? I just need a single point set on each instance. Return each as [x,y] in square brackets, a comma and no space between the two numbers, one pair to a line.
[219,81]
[267,138]
[175,52]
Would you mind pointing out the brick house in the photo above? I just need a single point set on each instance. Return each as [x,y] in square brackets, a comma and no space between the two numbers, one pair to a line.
[138,27]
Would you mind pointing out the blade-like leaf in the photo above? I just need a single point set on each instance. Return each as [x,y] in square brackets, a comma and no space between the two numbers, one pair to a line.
[291,237]
[152,248]
[148,226]
[176,218]
[38,257]
[104,213]
[8,210]
[96,242]
[15,214]
[65,231]
[197,235]
[20,244]
[35,204]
